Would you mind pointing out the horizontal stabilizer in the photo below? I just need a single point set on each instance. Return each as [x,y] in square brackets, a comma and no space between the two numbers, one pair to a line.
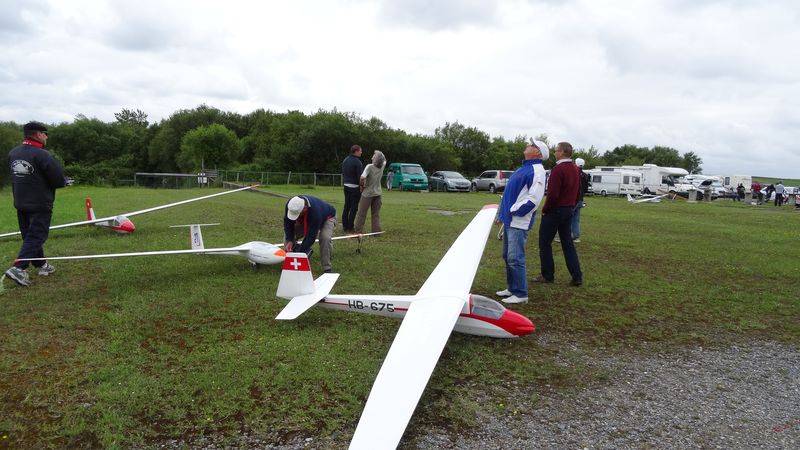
[300,304]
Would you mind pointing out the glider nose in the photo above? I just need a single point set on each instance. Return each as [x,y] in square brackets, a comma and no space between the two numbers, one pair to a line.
[280,253]
[516,324]
[125,225]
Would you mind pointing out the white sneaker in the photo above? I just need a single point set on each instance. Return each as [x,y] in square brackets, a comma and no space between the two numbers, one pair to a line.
[503,293]
[515,299]
[576,240]
[557,239]
[46,269]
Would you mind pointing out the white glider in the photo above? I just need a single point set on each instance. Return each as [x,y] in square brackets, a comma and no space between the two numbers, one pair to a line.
[442,304]
[121,223]
[257,252]
[646,199]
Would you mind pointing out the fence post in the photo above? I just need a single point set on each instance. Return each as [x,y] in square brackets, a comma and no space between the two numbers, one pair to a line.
[289,177]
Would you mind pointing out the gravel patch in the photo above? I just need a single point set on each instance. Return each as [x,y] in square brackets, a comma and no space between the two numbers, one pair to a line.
[742,396]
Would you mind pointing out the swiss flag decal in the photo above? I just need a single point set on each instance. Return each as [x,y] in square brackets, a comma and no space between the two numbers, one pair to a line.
[295,263]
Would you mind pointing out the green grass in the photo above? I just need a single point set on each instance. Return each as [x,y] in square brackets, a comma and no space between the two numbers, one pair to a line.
[113,353]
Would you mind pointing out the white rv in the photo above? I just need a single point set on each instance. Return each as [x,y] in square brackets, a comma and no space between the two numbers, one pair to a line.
[660,180]
[702,181]
[732,181]
[615,182]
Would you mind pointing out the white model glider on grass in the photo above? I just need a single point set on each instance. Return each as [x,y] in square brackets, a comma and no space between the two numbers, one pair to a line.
[442,304]
[257,252]
[646,198]
[121,223]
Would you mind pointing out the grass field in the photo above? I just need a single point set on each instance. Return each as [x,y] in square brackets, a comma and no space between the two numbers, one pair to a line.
[133,351]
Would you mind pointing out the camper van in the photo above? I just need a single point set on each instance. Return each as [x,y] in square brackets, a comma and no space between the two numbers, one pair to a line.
[408,177]
[660,180]
[615,182]
[701,182]
[732,181]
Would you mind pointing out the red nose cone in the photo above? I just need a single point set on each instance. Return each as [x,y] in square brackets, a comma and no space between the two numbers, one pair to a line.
[516,324]
[126,226]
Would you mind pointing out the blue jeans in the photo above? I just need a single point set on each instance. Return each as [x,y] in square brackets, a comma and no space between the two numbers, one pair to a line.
[514,241]
[576,220]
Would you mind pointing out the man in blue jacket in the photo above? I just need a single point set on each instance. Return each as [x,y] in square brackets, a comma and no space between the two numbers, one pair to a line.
[521,199]
[35,176]
[308,216]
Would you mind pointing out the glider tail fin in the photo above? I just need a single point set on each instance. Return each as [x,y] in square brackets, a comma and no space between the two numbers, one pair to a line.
[630,199]
[296,278]
[197,237]
[89,210]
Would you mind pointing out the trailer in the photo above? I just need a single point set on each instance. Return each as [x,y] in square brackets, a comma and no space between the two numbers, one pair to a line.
[660,180]
[615,182]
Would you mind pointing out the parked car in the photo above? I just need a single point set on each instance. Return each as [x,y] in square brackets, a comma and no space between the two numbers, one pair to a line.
[448,181]
[491,180]
[408,177]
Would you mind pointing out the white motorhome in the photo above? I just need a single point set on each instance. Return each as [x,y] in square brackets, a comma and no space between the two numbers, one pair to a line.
[702,181]
[660,180]
[732,181]
[615,182]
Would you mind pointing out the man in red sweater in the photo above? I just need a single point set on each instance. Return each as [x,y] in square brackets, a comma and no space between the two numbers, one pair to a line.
[563,190]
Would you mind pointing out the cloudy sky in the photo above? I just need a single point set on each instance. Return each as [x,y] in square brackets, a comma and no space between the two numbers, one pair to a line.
[719,78]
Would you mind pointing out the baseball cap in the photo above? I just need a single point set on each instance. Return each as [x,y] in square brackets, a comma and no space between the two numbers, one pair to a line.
[580,162]
[542,148]
[295,207]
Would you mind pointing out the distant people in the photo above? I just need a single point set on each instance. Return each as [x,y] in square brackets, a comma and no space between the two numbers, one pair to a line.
[740,192]
[309,216]
[563,191]
[35,176]
[351,172]
[768,192]
[779,190]
[576,214]
[521,199]
[370,183]
[389,179]
[755,188]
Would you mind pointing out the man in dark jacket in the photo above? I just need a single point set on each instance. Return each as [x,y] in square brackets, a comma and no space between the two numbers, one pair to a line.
[563,191]
[308,216]
[35,176]
[351,174]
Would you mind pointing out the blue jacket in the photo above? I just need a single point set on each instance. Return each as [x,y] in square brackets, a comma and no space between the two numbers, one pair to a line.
[318,212]
[523,195]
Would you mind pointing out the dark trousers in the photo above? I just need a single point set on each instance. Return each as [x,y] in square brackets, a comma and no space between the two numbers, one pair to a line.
[558,220]
[778,199]
[34,227]
[351,198]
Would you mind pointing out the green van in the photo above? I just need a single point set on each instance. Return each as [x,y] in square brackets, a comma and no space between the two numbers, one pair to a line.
[408,177]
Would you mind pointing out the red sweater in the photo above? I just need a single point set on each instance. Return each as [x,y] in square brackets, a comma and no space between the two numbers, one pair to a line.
[563,187]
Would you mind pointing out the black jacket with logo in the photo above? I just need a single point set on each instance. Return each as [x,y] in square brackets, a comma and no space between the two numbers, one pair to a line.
[35,176]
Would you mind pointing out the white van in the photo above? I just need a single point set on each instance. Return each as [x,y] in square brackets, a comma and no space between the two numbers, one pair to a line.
[606,181]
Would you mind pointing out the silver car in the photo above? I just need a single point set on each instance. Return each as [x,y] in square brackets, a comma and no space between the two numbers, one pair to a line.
[448,181]
[491,180]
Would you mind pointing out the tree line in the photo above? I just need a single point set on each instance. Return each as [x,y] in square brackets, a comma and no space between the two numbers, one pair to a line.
[267,141]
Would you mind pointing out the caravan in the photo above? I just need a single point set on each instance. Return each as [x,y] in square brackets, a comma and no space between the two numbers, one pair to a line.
[657,179]
[615,181]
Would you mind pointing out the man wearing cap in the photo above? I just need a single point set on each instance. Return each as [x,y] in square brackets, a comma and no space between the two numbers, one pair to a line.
[35,176]
[351,174]
[521,199]
[563,189]
[310,216]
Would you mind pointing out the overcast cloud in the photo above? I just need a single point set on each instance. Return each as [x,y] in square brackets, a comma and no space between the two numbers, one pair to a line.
[719,78]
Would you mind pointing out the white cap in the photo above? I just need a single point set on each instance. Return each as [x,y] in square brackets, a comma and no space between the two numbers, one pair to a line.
[295,207]
[580,162]
[542,148]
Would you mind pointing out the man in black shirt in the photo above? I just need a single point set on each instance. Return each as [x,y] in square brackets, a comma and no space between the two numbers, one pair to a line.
[351,175]
[35,175]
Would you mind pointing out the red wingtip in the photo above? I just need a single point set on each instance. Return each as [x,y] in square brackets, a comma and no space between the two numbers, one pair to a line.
[490,206]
